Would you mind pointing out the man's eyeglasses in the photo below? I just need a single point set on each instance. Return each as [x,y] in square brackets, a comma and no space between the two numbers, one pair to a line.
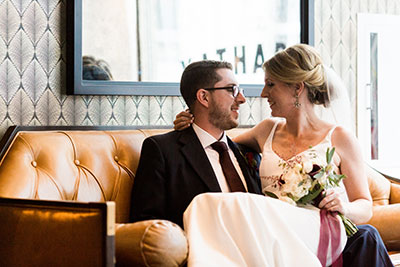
[234,89]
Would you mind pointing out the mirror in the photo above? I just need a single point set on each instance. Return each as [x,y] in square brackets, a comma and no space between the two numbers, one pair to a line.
[141,47]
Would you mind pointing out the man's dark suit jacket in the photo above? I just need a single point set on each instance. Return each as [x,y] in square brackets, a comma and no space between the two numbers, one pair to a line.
[173,169]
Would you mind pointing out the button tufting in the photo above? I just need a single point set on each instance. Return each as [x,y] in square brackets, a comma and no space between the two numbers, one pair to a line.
[116,158]
[77,162]
[34,164]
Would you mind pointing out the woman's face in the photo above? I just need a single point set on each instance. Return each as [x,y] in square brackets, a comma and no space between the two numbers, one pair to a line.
[281,96]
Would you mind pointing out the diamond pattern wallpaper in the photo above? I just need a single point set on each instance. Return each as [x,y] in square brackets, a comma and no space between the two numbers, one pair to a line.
[32,67]
[336,34]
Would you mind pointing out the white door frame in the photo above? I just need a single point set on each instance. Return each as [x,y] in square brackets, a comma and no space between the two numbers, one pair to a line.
[388,41]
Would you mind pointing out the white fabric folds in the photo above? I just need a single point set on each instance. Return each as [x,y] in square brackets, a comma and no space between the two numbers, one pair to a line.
[243,229]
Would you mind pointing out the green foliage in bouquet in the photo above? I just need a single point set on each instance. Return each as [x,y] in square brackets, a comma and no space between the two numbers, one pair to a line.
[304,181]
[316,191]
[323,178]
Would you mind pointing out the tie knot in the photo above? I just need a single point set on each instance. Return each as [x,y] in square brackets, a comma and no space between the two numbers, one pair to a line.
[219,146]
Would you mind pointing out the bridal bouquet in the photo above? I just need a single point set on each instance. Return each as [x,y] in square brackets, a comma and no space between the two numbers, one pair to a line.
[304,180]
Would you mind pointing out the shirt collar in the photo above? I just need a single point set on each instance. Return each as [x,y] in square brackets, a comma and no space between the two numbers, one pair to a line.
[205,138]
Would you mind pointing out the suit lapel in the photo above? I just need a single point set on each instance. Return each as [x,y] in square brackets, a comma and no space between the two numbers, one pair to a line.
[194,153]
[253,185]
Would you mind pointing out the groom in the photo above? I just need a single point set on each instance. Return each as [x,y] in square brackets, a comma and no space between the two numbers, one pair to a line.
[177,166]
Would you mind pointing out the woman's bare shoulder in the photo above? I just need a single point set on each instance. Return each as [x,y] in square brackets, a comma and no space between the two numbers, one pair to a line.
[264,128]
[257,135]
[345,142]
[341,134]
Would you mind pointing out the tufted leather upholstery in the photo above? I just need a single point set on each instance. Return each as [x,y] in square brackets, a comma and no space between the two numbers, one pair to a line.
[91,166]
[100,165]
[78,166]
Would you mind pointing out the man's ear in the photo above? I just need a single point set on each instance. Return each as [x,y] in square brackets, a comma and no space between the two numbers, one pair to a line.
[203,97]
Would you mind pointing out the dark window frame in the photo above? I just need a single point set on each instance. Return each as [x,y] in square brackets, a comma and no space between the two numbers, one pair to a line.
[77,86]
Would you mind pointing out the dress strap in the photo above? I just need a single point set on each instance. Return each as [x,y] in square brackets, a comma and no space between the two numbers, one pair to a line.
[268,143]
[329,135]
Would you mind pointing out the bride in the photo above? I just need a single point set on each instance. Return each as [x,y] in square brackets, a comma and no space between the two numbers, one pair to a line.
[237,229]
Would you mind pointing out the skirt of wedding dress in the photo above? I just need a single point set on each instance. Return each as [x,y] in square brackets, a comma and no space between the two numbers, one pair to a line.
[243,229]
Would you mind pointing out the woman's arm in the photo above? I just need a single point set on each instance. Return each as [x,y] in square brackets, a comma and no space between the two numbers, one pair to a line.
[253,138]
[256,136]
[359,209]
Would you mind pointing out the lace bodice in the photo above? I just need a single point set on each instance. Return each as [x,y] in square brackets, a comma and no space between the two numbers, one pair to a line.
[271,163]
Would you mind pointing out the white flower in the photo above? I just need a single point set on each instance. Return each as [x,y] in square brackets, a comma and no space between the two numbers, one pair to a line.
[307,166]
[318,161]
[298,167]
[296,186]
[292,176]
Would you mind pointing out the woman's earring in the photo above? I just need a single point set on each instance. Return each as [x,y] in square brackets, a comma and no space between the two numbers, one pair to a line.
[297,104]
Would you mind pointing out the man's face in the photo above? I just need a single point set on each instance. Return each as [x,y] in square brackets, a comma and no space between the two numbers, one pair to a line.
[224,108]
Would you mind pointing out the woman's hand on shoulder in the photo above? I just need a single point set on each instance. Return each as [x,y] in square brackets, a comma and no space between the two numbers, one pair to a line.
[183,120]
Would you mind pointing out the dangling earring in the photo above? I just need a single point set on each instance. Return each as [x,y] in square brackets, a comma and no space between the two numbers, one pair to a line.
[297,104]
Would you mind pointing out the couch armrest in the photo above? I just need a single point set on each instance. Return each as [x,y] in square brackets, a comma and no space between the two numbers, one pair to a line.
[394,193]
[386,219]
[56,233]
[150,243]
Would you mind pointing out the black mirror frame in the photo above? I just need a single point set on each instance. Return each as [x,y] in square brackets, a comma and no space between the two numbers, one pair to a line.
[77,86]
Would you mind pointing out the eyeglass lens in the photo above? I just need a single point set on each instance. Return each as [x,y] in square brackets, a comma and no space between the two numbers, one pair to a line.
[236,90]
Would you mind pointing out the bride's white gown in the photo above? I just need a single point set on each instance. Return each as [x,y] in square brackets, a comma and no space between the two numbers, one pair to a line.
[242,229]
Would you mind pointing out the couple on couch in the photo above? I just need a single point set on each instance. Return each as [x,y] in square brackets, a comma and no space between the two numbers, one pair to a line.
[180,173]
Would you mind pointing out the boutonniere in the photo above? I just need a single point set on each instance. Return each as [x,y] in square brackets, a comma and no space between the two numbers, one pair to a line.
[250,161]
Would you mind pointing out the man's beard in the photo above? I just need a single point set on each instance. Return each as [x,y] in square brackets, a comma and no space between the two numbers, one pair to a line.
[222,119]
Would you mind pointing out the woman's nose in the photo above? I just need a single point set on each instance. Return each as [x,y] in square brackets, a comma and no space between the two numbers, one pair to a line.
[264,92]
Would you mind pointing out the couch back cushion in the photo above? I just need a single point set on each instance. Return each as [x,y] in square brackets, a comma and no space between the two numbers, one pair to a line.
[379,187]
[73,165]
[93,166]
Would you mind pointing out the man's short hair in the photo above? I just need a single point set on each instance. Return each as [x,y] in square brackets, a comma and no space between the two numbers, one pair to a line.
[95,69]
[200,74]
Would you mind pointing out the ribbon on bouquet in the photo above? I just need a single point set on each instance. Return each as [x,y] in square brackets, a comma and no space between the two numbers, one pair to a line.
[329,234]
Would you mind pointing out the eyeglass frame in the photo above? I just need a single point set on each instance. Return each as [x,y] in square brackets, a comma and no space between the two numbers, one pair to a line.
[233,89]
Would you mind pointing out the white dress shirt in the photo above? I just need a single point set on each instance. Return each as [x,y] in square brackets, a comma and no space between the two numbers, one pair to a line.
[206,140]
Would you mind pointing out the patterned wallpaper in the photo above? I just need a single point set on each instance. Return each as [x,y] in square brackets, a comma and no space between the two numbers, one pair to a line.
[336,34]
[32,67]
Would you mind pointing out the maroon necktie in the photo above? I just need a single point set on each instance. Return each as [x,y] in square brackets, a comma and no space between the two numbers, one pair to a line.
[232,177]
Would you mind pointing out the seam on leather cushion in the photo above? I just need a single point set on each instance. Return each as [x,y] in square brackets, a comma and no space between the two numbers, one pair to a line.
[142,243]
[153,248]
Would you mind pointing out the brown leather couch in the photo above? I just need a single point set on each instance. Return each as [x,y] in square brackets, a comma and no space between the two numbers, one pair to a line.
[82,164]
[98,164]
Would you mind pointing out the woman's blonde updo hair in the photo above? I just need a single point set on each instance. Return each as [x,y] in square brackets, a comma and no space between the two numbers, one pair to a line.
[300,63]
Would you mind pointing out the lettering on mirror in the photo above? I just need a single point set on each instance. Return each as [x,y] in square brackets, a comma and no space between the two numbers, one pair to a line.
[241,59]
